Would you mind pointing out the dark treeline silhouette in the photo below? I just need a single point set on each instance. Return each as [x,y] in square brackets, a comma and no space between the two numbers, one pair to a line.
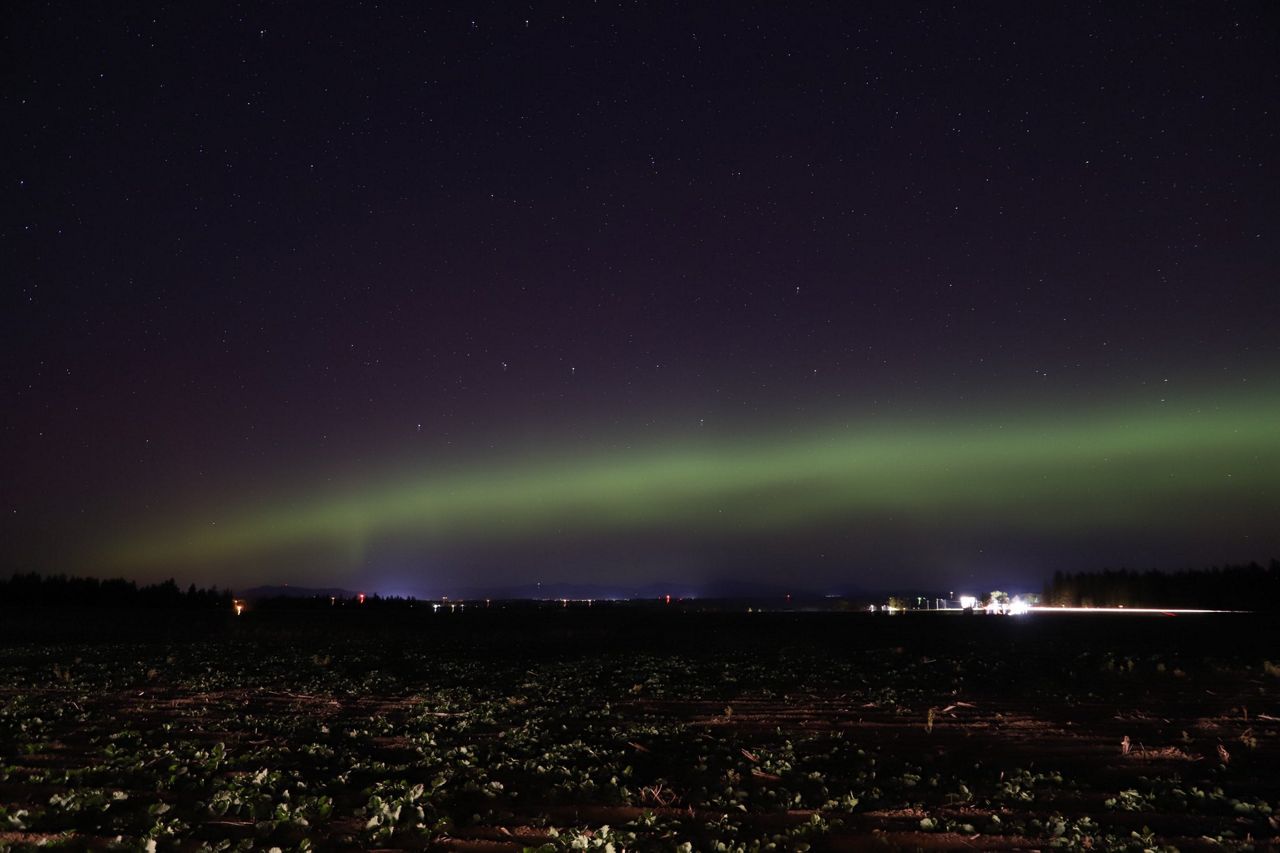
[33,590]
[1230,587]
[1247,587]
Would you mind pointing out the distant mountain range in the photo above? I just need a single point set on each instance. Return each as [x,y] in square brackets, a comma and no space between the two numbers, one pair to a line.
[288,591]
[712,589]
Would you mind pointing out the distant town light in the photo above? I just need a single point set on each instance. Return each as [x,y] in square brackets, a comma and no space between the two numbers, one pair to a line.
[968,602]
[238,606]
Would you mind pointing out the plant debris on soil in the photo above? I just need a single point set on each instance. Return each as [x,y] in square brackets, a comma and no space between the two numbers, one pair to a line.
[612,730]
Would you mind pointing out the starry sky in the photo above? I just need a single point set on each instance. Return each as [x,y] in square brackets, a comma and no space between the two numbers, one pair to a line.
[418,297]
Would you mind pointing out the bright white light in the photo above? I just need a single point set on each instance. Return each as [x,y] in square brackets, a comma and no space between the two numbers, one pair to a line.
[1017,607]
[968,602]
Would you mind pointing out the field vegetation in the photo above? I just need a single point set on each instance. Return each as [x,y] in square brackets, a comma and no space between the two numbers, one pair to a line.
[614,728]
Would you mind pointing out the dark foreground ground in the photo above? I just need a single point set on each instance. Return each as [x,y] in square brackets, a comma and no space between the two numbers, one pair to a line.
[638,729]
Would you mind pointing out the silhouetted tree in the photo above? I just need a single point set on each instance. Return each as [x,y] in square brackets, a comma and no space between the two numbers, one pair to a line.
[34,590]
[1231,587]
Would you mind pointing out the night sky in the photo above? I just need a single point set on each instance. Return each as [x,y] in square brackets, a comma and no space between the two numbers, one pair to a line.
[417,299]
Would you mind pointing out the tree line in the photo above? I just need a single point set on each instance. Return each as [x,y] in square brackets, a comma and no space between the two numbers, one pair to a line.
[34,590]
[1229,587]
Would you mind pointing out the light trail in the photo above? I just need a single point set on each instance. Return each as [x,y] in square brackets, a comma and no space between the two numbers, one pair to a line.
[1167,611]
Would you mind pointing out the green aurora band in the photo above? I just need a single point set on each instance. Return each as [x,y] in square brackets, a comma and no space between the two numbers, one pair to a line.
[1151,468]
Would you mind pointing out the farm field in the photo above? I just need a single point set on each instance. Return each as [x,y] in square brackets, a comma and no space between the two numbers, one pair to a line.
[617,728]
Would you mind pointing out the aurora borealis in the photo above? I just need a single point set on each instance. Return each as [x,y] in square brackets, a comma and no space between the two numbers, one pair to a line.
[415,298]
[1164,468]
